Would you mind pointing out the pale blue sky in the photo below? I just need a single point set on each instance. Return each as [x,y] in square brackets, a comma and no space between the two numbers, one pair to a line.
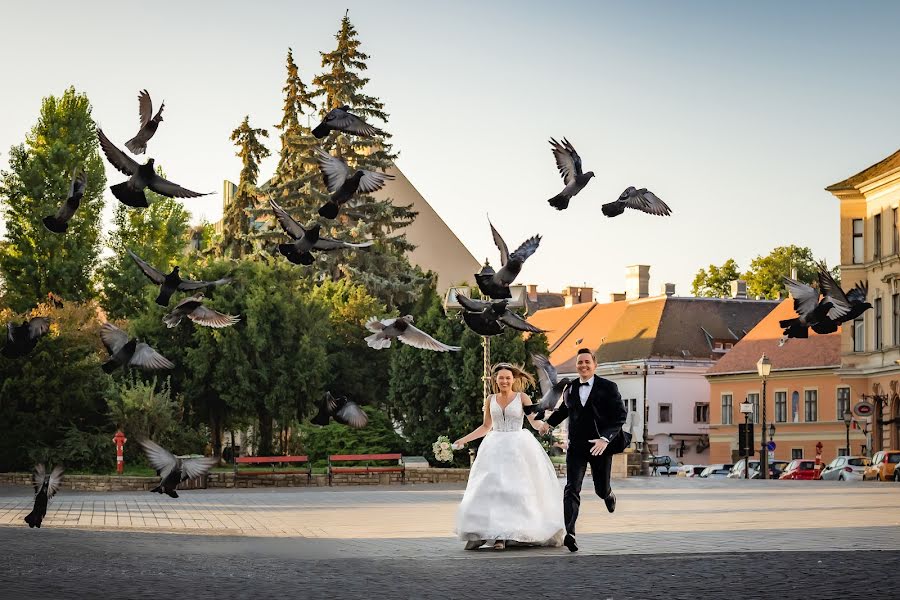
[737,115]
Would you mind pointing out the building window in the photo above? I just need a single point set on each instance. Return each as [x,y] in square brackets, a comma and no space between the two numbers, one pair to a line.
[811,406]
[895,239]
[754,400]
[859,335]
[796,453]
[781,407]
[665,413]
[701,412]
[632,404]
[843,402]
[858,241]
[795,407]
[878,323]
[843,451]
[726,409]
[876,250]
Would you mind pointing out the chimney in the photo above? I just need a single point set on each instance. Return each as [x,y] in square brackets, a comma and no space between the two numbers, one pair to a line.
[587,294]
[668,289]
[617,297]
[637,281]
[532,293]
[794,273]
[739,289]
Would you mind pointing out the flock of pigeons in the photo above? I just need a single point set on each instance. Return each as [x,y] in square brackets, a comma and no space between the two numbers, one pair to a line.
[486,317]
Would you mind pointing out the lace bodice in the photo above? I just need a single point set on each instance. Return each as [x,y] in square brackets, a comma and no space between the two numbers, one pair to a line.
[510,419]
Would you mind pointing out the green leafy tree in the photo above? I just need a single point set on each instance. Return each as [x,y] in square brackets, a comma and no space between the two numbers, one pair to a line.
[34,261]
[377,437]
[237,220]
[715,282]
[158,235]
[765,277]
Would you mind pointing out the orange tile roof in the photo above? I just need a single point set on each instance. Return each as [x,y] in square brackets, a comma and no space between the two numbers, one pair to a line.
[880,168]
[588,333]
[817,351]
[558,322]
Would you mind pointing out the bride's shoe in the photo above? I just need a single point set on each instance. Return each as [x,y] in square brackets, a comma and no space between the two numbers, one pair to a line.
[474,544]
[500,545]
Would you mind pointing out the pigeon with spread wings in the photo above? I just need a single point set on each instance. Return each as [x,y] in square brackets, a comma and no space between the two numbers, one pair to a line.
[551,387]
[342,410]
[496,285]
[491,318]
[569,164]
[131,192]
[401,328]
[638,199]
[171,283]
[21,339]
[305,241]
[847,306]
[343,182]
[138,144]
[45,487]
[340,119]
[59,222]
[811,311]
[173,470]
[130,352]
[193,309]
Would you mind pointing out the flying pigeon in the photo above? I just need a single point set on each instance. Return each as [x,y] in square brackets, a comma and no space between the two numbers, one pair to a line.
[21,339]
[402,329]
[342,182]
[129,352]
[340,119]
[173,470]
[45,487]
[854,300]
[305,241]
[569,164]
[131,192]
[193,309]
[343,411]
[490,318]
[138,144]
[642,200]
[496,285]
[59,222]
[810,310]
[551,387]
[169,284]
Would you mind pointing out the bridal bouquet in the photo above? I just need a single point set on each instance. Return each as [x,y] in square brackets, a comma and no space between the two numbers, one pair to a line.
[442,450]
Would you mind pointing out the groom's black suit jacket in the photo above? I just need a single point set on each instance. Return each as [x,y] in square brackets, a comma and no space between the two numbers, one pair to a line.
[602,415]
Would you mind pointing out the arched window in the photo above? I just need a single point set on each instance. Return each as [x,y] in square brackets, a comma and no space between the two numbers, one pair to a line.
[795,407]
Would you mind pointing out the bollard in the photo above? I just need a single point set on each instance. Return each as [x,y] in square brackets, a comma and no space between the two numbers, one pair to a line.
[119,440]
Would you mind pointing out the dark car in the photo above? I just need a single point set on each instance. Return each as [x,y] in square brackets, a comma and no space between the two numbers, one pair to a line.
[776,468]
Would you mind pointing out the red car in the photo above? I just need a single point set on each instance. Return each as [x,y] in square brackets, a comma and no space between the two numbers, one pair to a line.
[800,469]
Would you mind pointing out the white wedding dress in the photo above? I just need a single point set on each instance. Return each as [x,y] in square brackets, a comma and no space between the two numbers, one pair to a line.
[513,492]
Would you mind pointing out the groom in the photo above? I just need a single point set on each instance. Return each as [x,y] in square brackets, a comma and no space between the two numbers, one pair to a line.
[596,414]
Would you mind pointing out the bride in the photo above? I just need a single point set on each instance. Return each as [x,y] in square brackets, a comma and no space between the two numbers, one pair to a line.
[513,493]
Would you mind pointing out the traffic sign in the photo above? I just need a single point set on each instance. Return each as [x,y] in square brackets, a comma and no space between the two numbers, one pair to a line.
[770,446]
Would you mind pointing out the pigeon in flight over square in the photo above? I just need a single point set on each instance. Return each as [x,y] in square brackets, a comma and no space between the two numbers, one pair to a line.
[131,192]
[173,470]
[811,311]
[642,200]
[21,339]
[169,284]
[45,487]
[551,387]
[569,164]
[193,309]
[59,222]
[340,119]
[401,328]
[496,285]
[343,411]
[491,318]
[343,182]
[854,301]
[138,144]
[305,241]
[130,352]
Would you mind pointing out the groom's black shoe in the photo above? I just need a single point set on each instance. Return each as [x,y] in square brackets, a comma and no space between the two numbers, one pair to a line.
[569,542]
[610,502]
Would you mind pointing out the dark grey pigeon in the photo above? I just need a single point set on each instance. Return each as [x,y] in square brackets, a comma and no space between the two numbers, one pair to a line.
[496,285]
[343,411]
[551,387]
[45,487]
[59,222]
[138,144]
[173,470]
[21,339]
[130,352]
[569,164]
[193,309]
[854,301]
[306,241]
[169,284]
[491,318]
[401,328]
[642,200]
[810,310]
[131,192]
[343,182]
[340,119]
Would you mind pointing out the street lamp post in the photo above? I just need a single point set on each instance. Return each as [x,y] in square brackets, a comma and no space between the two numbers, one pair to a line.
[746,440]
[848,420]
[763,368]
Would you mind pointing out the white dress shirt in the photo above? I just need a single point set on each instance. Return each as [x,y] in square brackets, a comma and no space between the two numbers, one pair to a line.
[584,391]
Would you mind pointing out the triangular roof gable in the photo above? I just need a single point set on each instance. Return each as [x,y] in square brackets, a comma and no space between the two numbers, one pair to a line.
[883,167]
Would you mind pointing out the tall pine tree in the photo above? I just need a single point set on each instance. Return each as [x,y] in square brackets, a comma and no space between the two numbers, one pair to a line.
[34,261]
[295,158]
[236,227]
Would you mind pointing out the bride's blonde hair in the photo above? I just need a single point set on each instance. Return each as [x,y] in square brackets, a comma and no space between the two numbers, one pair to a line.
[521,378]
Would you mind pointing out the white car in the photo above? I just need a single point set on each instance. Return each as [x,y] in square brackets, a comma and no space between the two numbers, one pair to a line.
[738,471]
[846,468]
[719,471]
[690,470]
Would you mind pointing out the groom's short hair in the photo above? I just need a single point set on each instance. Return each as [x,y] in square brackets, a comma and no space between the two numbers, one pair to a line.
[585,351]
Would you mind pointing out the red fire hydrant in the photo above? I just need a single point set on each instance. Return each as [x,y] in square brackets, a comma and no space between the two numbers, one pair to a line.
[818,460]
[119,440]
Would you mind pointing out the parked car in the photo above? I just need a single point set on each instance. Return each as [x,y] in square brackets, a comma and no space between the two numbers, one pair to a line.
[738,471]
[664,465]
[846,468]
[719,471]
[884,466]
[800,469]
[690,470]
[776,468]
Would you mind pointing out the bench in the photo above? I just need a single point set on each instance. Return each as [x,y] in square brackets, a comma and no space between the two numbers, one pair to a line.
[272,460]
[333,458]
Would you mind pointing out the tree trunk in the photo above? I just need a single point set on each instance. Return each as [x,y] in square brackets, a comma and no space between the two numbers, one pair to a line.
[216,427]
[265,431]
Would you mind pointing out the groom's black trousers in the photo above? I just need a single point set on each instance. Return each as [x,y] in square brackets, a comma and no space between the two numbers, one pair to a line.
[578,457]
